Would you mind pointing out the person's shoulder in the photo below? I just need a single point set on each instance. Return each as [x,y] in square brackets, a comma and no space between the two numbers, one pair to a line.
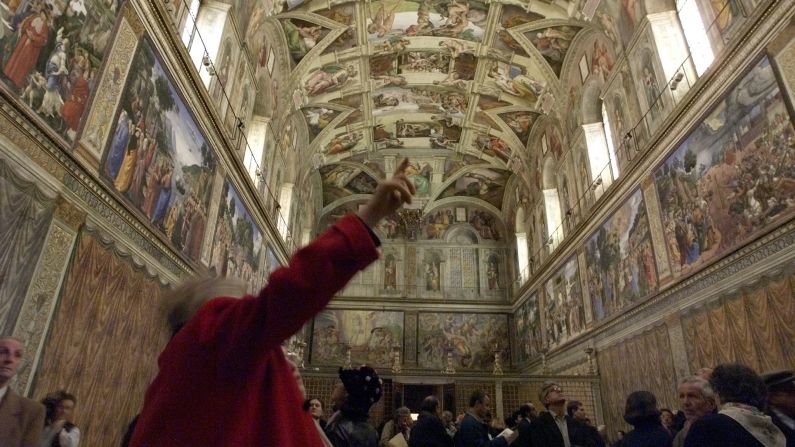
[28,405]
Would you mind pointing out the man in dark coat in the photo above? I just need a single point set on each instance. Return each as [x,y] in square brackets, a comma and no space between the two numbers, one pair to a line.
[527,414]
[781,402]
[554,428]
[576,410]
[429,429]
[473,432]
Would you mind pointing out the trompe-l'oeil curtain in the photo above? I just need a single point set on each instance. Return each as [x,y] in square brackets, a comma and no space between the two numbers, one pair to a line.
[25,216]
[104,340]
[756,328]
[643,362]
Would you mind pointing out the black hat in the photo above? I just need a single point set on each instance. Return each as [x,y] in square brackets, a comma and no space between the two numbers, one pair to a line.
[779,380]
[363,385]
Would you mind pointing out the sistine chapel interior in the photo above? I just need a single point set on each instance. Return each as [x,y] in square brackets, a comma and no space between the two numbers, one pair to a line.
[605,189]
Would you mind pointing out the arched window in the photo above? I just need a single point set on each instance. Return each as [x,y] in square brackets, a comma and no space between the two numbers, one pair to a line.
[202,38]
[696,34]
[189,22]
[601,153]
[522,253]
[253,156]
[611,150]
[552,204]
[286,203]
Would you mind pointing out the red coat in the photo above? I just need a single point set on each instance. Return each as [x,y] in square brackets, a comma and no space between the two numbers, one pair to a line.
[223,378]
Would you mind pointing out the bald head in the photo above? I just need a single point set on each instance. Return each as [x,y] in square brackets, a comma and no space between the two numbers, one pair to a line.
[11,351]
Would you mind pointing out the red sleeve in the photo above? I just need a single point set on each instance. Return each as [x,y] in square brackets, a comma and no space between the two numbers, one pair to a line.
[294,293]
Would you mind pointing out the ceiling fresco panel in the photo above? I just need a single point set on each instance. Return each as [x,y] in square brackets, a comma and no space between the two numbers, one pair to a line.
[442,18]
[484,184]
[553,43]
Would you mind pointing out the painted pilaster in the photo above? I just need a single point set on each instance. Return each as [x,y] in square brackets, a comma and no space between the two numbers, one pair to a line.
[676,337]
[657,234]
[100,122]
[42,297]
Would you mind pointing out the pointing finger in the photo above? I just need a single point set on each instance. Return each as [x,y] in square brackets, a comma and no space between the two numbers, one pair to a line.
[401,169]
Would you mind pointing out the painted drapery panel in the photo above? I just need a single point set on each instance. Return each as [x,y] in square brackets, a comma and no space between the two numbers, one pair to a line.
[157,158]
[370,335]
[472,338]
[643,362]
[527,323]
[237,246]
[25,216]
[564,309]
[108,306]
[756,327]
[621,269]
[732,178]
[50,53]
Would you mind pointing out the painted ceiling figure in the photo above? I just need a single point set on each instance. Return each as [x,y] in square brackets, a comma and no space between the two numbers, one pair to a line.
[383,20]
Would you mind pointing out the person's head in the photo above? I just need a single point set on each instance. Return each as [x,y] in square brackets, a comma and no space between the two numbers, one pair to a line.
[66,406]
[528,411]
[641,407]
[620,434]
[667,417]
[182,303]
[359,389]
[11,352]
[551,395]
[696,397]
[735,383]
[402,417]
[480,403]
[576,410]
[447,417]
[315,407]
[781,391]
[431,405]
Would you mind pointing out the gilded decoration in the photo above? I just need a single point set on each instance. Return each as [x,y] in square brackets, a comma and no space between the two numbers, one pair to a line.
[41,298]
[69,214]
[98,124]
[26,143]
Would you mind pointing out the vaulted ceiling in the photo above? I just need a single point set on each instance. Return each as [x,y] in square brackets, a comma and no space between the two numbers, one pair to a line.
[468,90]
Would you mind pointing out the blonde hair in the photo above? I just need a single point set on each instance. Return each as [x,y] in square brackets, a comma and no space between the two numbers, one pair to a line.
[181,303]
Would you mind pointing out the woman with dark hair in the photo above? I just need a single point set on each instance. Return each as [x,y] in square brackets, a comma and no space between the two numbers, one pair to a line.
[741,394]
[60,431]
[642,413]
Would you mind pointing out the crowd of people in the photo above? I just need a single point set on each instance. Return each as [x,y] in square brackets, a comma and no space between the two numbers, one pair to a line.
[728,406]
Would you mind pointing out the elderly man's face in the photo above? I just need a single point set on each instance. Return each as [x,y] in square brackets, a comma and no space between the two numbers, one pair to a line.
[11,351]
[692,401]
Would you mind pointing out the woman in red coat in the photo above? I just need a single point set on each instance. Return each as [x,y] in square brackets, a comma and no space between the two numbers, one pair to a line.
[223,379]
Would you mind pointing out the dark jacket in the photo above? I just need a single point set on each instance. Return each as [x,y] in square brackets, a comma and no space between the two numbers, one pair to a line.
[719,430]
[344,431]
[545,432]
[587,436]
[649,433]
[523,439]
[788,432]
[429,431]
[473,433]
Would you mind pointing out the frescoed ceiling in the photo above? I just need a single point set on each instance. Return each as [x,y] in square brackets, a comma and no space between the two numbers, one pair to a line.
[466,89]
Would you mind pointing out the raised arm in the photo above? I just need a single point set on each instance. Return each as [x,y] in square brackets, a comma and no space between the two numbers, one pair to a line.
[300,290]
